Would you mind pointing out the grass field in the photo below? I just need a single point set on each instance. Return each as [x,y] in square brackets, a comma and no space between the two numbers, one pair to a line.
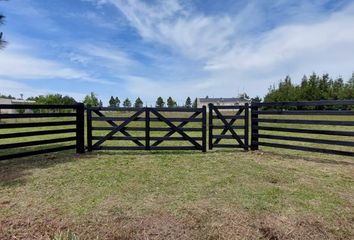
[221,194]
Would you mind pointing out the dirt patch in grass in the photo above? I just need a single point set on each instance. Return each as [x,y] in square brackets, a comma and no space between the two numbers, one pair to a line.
[197,222]
[32,227]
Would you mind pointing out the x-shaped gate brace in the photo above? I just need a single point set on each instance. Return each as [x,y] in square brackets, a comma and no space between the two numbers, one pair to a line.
[228,126]
[174,129]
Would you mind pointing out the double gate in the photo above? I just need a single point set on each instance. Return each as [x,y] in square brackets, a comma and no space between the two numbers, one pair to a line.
[146,128]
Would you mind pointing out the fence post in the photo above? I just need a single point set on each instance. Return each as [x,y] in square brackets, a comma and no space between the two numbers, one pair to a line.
[147,128]
[254,126]
[89,128]
[204,129]
[210,126]
[80,128]
[246,126]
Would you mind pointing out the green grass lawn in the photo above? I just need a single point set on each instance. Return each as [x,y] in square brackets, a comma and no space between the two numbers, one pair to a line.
[221,194]
[177,195]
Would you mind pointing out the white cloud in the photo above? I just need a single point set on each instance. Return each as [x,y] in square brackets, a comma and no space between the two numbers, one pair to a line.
[114,56]
[232,62]
[15,88]
[194,35]
[295,43]
[15,63]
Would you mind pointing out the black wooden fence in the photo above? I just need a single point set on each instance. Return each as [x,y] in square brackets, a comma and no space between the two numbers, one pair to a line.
[318,126]
[18,122]
[305,126]
[224,121]
[135,126]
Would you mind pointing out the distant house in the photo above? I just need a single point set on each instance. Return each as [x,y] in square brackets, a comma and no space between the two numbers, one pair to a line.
[241,100]
[14,101]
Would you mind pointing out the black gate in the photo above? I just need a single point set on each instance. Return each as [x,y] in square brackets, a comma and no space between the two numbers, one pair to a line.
[231,124]
[146,128]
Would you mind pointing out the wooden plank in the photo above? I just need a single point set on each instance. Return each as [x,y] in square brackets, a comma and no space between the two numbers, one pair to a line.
[36,143]
[229,107]
[122,138]
[89,130]
[36,133]
[37,124]
[310,122]
[37,152]
[177,109]
[119,148]
[230,117]
[227,146]
[35,115]
[254,127]
[36,106]
[223,127]
[210,140]
[306,112]
[80,128]
[309,131]
[147,129]
[142,119]
[226,137]
[204,131]
[309,140]
[174,148]
[305,103]
[307,149]
[231,122]
[246,124]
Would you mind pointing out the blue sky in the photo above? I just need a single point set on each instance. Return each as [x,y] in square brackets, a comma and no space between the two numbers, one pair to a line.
[137,48]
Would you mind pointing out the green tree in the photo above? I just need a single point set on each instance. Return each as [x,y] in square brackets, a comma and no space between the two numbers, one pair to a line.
[127,103]
[171,103]
[100,103]
[160,102]
[256,99]
[91,100]
[112,102]
[188,103]
[195,103]
[117,102]
[138,103]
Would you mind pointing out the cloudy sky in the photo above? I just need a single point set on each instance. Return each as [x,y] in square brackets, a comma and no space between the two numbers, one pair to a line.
[147,48]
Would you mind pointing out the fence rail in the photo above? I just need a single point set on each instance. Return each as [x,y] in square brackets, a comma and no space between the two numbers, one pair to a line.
[313,131]
[26,123]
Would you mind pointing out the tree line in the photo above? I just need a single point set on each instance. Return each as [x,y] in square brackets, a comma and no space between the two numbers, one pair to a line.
[93,100]
[312,88]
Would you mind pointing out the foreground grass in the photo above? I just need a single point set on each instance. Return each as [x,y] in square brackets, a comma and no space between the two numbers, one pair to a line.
[177,195]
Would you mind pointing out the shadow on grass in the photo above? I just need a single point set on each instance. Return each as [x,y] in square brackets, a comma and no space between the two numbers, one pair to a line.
[14,172]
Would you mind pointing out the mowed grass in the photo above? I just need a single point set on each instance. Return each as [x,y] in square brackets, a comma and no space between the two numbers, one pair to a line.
[221,194]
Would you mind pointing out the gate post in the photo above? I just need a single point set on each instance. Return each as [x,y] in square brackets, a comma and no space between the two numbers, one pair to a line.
[147,128]
[204,129]
[89,128]
[246,126]
[210,126]
[254,126]
[80,128]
